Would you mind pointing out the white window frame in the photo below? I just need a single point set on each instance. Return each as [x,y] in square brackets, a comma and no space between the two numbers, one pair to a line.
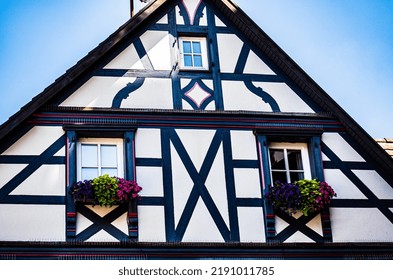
[205,60]
[101,141]
[292,146]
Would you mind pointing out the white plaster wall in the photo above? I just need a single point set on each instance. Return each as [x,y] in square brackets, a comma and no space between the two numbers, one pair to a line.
[197,143]
[203,20]
[229,47]
[61,152]
[163,20]
[316,225]
[148,143]
[182,185]
[375,183]
[127,59]
[154,94]
[100,91]
[157,46]
[186,105]
[9,171]
[179,19]
[243,145]
[32,222]
[285,97]
[255,65]
[150,179]
[202,227]
[97,92]
[247,183]
[344,188]
[360,225]
[216,185]
[280,224]
[251,224]
[102,236]
[298,237]
[185,82]
[236,96]
[46,180]
[24,145]
[83,223]
[219,22]
[210,107]
[340,147]
[325,158]
[151,224]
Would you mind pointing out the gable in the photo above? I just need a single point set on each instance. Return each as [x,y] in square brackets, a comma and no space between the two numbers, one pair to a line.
[202,134]
[147,74]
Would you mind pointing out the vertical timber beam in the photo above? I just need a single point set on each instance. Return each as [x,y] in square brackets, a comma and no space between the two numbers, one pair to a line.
[263,151]
[130,174]
[71,178]
[317,172]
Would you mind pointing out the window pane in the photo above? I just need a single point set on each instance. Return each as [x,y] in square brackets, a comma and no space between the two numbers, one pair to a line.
[198,61]
[196,47]
[187,47]
[89,173]
[295,176]
[279,176]
[295,160]
[109,155]
[277,159]
[89,155]
[187,60]
[110,171]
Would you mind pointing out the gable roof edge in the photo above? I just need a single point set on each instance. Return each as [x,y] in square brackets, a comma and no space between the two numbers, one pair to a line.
[79,68]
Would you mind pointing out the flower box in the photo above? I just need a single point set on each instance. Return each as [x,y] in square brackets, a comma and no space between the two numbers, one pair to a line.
[105,191]
[304,195]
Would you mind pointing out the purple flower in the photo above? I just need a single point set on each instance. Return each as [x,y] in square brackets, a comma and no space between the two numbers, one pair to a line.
[82,190]
[127,190]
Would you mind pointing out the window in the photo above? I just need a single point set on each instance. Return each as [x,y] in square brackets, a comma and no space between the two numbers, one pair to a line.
[96,157]
[289,162]
[193,53]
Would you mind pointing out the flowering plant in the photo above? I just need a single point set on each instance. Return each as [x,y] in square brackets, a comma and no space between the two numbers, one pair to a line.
[127,190]
[82,191]
[105,190]
[303,195]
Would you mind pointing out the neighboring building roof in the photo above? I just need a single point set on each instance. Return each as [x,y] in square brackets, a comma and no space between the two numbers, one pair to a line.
[386,144]
[250,30]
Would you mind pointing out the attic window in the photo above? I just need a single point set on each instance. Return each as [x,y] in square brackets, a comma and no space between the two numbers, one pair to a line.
[193,53]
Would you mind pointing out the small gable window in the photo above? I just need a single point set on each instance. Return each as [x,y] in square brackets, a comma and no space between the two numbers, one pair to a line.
[289,162]
[193,53]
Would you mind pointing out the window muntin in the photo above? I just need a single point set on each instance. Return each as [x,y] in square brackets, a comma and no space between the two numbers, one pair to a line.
[193,53]
[97,157]
[289,162]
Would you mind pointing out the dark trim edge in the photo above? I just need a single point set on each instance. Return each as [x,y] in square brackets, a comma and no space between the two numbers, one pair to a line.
[152,251]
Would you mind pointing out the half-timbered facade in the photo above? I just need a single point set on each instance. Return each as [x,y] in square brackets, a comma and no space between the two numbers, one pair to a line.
[193,101]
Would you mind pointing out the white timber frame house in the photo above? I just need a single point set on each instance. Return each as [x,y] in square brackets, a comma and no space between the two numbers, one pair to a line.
[190,98]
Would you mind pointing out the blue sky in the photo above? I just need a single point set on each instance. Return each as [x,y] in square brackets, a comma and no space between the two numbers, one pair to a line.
[346,46]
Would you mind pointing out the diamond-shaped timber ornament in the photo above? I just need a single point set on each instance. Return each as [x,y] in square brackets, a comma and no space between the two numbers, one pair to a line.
[197,95]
